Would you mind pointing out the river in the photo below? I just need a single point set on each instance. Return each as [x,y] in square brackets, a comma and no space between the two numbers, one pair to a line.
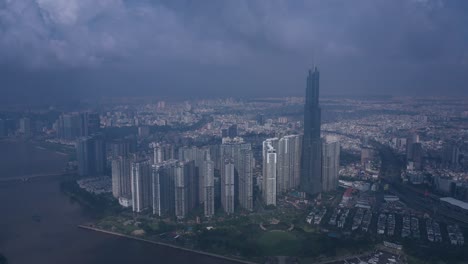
[38,223]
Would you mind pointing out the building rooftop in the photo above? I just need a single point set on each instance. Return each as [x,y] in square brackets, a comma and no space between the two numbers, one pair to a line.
[455,202]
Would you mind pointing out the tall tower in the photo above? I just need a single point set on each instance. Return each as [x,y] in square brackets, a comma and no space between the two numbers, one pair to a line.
[311,164]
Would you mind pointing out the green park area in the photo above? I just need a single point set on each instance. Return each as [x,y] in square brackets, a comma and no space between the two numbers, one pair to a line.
[279,243]
[252,236]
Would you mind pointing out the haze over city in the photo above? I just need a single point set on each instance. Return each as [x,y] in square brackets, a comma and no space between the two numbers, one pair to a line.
[270,132]
[180,49]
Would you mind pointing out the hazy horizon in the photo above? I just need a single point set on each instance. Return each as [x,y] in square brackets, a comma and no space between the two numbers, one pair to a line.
[67,50]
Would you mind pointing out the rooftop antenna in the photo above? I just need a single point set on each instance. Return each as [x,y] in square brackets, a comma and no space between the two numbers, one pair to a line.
[313,59]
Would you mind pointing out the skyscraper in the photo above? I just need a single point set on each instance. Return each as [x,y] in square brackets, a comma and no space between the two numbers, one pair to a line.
[162,152]
[91,155]
[163,188]
[181,192]
[413,138]
[289,162]
[83,148]
[69,126]
[141,185]
[417,156]
[269,170]
[232,131]
[414,152]
[190,173]
[451,155]
[119,148]
[208,199]
[173,189]
[198,155]
[121,178]
[90,123]
[245,164]
[158,155]
[311,143]
[330,163]
[240,154]
[26,126]
[227,187]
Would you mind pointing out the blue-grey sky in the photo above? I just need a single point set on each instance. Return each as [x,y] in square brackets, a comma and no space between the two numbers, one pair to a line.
[81,48]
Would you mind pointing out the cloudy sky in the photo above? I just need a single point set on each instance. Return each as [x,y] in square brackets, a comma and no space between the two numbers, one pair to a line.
[81,48]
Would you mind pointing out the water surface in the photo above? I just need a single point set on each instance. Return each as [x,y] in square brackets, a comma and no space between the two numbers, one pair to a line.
[38,223]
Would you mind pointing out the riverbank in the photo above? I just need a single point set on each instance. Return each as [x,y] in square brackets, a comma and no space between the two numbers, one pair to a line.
[41,227]
[25,178]
[91,228]
[24,159]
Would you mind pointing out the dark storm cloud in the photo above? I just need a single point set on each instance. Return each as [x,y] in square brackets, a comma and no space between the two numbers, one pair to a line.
[238,48]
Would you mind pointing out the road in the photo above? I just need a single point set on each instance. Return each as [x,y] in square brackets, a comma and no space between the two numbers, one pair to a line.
[391,169]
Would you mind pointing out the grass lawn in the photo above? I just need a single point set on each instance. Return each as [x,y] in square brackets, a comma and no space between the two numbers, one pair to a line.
[308,228]
[279,243]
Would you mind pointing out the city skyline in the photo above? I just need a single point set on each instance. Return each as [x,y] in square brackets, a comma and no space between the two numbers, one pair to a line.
[267,131]
[218,182]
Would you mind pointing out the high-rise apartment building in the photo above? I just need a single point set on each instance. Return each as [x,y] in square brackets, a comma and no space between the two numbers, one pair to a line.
[198,155]
[244,165]
[232,131]
[330,163]
[289,163]
[208,185]
[227,187]
[414,152]
[410,141]
[173,188]
[90,123]
[269,170]
[181,183]
[141,185]
[452,155]
[73,125]
[121,177]
[162,152]
[163,187]
[69,126]
[91,155]
[240,154]
[417,157]
[119,148]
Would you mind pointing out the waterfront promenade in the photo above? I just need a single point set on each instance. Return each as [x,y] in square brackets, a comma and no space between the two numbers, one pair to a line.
[234,260]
